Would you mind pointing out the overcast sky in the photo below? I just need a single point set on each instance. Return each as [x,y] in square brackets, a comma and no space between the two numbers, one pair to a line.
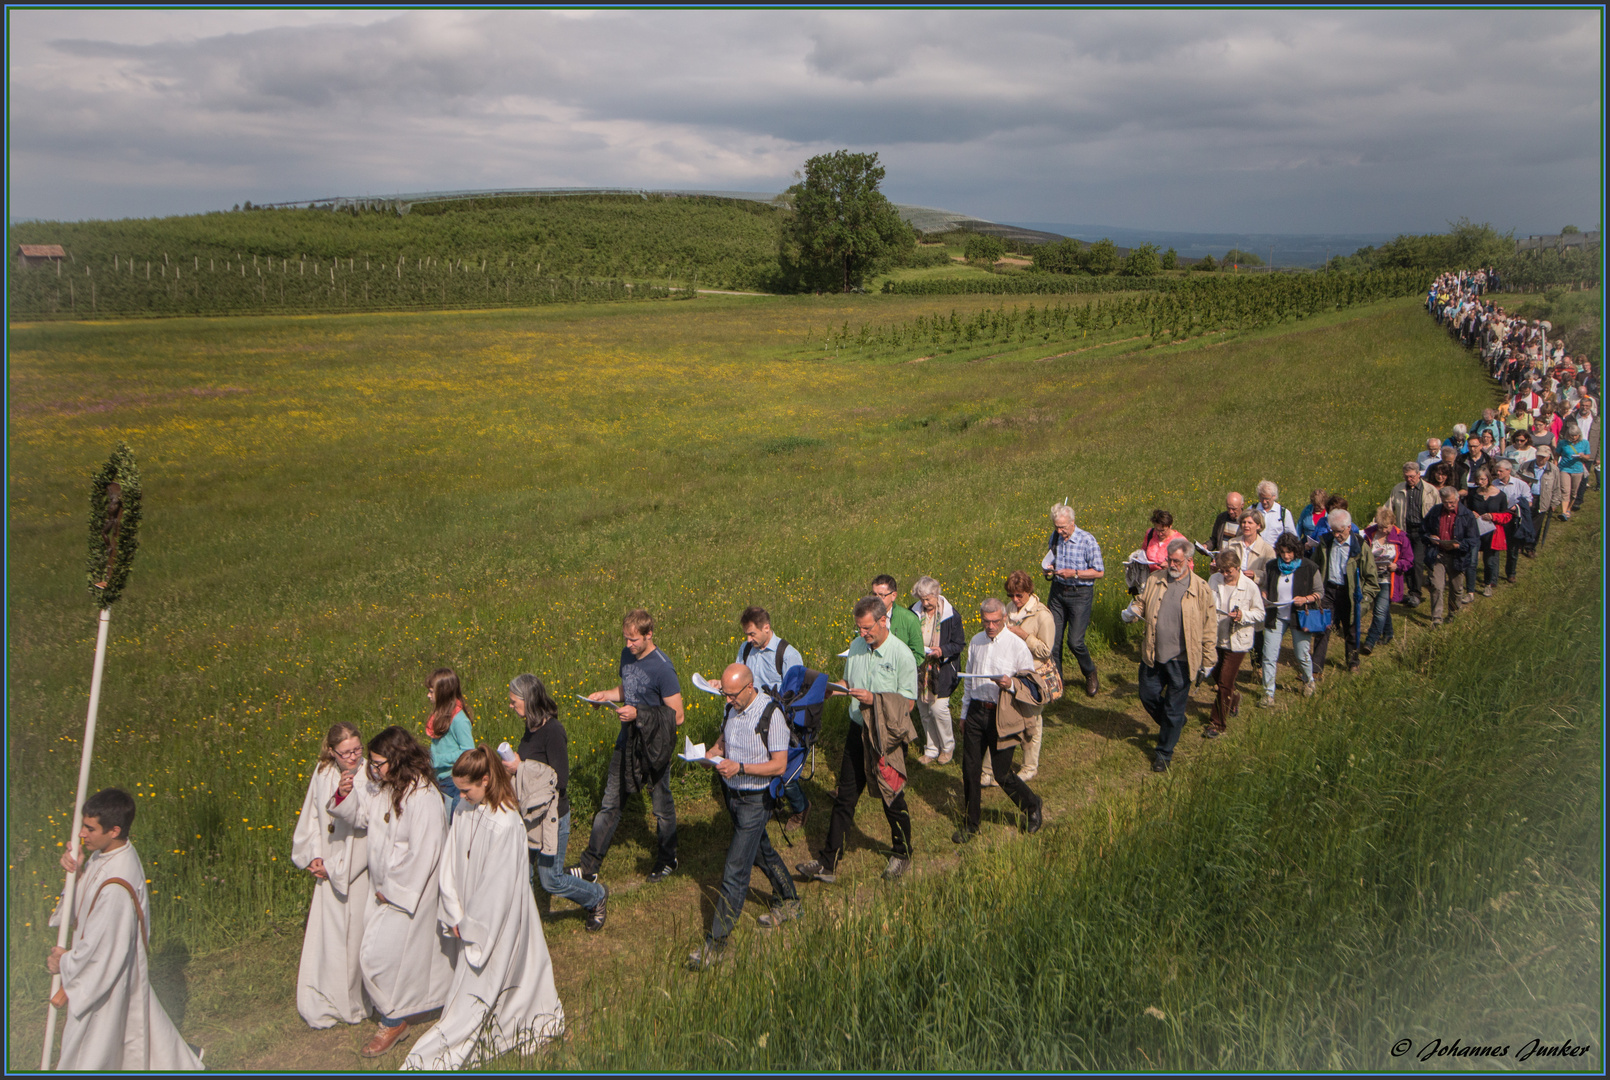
[1336,121]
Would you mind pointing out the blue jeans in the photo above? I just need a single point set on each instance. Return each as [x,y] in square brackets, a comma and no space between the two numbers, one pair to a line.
[1381,625]
[1164,690]
[1301,642]
[550,873]
[750,847]
[608,818]
[1070,613]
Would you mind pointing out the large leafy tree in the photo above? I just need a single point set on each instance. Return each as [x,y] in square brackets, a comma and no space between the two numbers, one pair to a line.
[842,223]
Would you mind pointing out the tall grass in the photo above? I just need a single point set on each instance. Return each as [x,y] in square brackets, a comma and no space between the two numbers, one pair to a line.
[1415,856]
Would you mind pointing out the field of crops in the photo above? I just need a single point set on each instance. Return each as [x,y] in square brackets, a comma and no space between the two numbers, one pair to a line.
[520,252]
[336,505]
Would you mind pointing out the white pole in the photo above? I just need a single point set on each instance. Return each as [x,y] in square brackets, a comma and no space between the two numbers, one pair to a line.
[65,929]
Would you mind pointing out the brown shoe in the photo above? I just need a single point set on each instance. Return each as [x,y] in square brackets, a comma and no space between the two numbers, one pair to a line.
[384,1040]
[1093,685]
[796,822]
[946,758]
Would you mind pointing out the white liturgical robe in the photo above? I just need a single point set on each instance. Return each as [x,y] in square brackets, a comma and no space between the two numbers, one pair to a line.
[329,985]
[503,967]
[114,1022]
[406,964]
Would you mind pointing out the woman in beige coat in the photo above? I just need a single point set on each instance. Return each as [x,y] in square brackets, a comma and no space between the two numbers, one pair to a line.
[1031,620]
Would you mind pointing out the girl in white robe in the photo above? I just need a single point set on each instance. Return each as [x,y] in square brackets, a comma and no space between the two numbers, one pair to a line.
[114,1022]
[502,998]
[329,985]
[406,965]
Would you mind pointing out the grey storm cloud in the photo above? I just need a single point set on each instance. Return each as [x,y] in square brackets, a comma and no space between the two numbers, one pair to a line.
[1341,120]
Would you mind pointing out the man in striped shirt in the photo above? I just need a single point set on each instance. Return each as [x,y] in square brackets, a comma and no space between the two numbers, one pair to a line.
[1075,568]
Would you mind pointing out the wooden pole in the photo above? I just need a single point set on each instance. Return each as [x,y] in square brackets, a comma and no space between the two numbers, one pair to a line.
[64,931]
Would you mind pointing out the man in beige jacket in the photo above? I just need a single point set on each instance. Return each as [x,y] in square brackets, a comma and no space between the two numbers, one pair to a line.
[1181,638]
[1411,501]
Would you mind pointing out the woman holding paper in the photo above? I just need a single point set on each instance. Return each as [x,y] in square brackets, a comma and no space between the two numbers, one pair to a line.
[329,985]
[545,741]
[502,997]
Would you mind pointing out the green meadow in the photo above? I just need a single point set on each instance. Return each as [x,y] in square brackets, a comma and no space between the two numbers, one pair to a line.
[336,505]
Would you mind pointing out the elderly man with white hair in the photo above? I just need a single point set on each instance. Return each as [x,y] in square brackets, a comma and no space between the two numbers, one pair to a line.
[1518,497]
[1074,565]
[1430,455]
[1276,518]
[1181,641]
[1351,583]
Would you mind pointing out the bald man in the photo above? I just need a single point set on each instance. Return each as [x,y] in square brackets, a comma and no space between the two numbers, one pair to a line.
[752,749]
[1228,523]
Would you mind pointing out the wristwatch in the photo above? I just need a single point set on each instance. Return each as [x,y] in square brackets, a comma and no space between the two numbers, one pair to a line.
[740,768]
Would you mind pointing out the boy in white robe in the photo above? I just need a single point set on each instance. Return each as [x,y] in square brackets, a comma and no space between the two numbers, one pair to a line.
[113,1021]
[502,998]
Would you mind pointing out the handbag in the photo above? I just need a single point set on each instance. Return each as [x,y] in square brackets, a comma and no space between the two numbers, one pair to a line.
[1314,620]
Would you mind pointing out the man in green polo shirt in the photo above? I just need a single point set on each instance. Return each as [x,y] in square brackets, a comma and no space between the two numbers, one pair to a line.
[879,663]
[904,623]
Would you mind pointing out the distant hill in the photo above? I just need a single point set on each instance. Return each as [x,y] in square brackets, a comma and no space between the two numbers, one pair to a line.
[1289,249]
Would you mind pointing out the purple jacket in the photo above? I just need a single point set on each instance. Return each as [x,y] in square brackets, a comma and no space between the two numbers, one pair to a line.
[1405,557]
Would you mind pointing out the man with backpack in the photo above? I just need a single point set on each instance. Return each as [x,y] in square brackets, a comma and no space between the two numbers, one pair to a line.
[752,749]
[768,658]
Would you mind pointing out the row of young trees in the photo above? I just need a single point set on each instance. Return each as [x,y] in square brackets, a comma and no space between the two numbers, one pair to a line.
[1191,307]
[267,285]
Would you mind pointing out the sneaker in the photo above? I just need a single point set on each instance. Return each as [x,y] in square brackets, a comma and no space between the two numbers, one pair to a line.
[1411,601]
[786,912]
[796,822]
[1212,733]
[1267,702]
[962,836]
[946,757]
[898,865]
[1436,622]
[662,872]
[707,955]
[929,758]
[814,869]
[578,872]
[1487,590]
[1466,598]
[385,1038]
[1160,765]
[1365,650]
[986,781]
[596,914]
[1308,687]
[1026,775]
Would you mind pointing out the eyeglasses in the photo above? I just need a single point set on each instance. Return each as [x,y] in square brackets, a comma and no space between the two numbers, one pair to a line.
[354,752]
[731,695]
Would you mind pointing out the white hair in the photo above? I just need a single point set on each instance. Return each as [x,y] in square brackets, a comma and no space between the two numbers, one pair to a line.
[1062,512]
[1461,430]
[990,606]
[1270,486]
[925,587]
[1178,543]
[1340,520]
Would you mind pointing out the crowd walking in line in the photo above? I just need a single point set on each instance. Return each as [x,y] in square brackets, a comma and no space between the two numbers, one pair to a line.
[424,854]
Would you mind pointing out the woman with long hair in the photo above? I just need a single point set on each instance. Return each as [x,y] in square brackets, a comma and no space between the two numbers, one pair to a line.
[406,964]
[448,726]
[329,986]
[502,997]
[546,742]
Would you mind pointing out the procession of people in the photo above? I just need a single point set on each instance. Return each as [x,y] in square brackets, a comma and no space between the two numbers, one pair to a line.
[425,852]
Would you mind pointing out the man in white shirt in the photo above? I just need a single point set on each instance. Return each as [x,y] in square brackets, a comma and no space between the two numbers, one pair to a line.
[995,658]
[1276,518]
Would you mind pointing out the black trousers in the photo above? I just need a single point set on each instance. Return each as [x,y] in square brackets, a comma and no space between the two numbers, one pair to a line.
[1341,605]
[854,770]
[1419,576]
[978,738]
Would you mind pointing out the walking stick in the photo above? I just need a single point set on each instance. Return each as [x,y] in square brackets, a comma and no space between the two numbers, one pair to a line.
[114,528]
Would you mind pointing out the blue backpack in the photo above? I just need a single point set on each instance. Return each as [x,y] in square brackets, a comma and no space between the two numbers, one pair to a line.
[800,697]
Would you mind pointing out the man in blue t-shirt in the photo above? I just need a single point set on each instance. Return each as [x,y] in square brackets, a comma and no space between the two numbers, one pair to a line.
[647,679]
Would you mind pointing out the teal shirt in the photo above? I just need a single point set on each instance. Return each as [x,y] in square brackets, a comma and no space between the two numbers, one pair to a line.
[889,669]
[445,751]
[906,625]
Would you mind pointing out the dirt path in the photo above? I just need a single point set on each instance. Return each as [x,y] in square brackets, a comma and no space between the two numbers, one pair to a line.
[240,1005]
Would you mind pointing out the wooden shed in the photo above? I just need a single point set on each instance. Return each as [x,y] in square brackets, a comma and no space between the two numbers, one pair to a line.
[32,255]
